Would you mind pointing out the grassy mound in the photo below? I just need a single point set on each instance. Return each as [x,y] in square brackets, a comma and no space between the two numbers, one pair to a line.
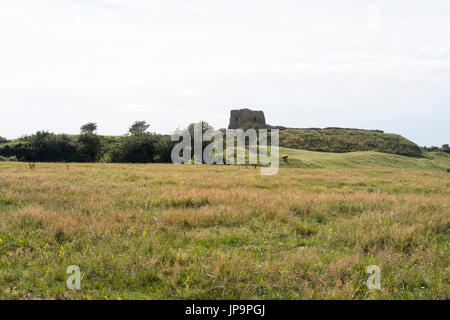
[363,160]
[348,140]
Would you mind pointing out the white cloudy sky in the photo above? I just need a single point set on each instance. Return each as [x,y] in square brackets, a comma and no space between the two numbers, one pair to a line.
[379,64]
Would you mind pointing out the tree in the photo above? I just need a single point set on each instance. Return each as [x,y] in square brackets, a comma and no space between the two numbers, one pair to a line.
[446,148]
[89,127]
[205,126]
[47,147]
[138,148]
[3,140]
[163,148]
[139,127]
[90,143]
[90,147]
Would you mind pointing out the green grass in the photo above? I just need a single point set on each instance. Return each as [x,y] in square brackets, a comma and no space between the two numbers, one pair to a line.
[364,159]
[222,232]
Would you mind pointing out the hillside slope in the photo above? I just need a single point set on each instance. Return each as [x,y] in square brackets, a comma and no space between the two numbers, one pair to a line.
[348,140]
[363,159]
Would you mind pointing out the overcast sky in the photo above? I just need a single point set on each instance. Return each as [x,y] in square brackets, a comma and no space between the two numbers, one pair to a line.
[349,63]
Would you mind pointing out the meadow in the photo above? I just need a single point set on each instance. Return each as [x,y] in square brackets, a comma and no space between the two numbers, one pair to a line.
[162,231]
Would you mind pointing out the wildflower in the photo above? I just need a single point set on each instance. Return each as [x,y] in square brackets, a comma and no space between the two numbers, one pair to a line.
[144,234]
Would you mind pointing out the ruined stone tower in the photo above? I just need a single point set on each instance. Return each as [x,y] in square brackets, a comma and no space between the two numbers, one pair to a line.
[241,117]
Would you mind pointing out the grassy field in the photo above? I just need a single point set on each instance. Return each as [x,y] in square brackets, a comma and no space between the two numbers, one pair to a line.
[223,232]
[364,160]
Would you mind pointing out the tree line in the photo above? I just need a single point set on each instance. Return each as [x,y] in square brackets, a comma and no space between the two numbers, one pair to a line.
[140,146]
[136,146]
[444,148]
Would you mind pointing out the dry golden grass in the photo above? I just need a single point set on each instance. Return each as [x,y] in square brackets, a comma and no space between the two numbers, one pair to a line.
[218,232]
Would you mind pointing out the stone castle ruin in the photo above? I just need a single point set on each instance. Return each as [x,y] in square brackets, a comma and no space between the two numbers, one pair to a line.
[240,117]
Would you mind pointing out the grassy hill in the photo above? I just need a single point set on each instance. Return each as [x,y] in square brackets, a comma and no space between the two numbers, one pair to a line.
[348,140]
[364,159]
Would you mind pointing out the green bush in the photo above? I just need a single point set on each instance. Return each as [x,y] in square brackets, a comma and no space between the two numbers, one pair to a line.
[142,148]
